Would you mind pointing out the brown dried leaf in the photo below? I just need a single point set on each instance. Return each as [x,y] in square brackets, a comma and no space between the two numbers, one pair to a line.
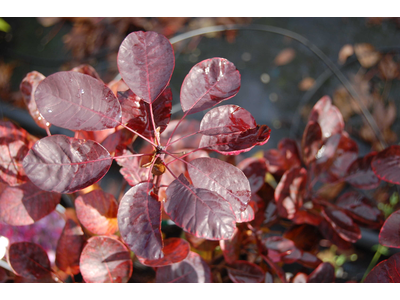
[285,56]
[345,52]
[306,84]
[367,55]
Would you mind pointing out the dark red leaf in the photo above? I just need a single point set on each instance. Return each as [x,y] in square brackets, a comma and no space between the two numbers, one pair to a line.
[242,271]
[208,83]
[136,112]
[231,248]
[193,269]
[386,271]
[282,249]
[69,248]
[306,237]
[199,211]
[386,164]
[139,221]
[360,173]
[389,235]
[277,269]
[226,119]
[29,260]
[289,192]
[201,244]
[25,204]
[342,224]
[88,70]
[119,139]
[222,178]
[330,234]
[327,116]
[28,87]
[186,127]
[131,169]
[62,164]
[105,259]
[3,275]
[324,273]
[311,142]
[146,62]
[307,216]
[175,250]
[309,260]
[235,143]
[77,101]
[361,209]
[255,170]
[14,145]
[97,212]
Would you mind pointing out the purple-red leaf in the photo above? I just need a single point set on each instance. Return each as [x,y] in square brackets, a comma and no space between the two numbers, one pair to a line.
[62,164]
[208,83]
[131,169]
[231,248]
[245,216]
[139,221]
[29,260]
[136,112]
[146,62]
[324,273]
[289,192]
[330,234]
[387,271]
[390,235]
[222,178]
[360,173]
[282,249]
[69,248]
[3,275]
[255,170]
[311,142]
[14,145]
[175,250]
[25,204]
[386,164]
[28,87]
[97,212]
[199,211]
[309,260]
[327,116]
[193,269]
[105,259]
[118,139]
[242,271]
[235,143]
[88,70]
[226,119]
[77,101]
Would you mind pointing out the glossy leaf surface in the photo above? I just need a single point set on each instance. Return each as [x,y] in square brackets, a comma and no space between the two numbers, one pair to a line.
[290,191]
[282,249]
[146,62]
[360,173]
[386,164]
[245,216]
[222,178]
[139,221]
[324,273]
[136,112]
[175,250]
[280,160]
[311,142]
[226,119]
[62,164]
[77,101]
[390,235]
[25,204]
[208,83]
[193,269]
[97,212]
[199,211]
[29,260]
[69,248]
[14,145]
[242,271]
[105,259]
[387,271]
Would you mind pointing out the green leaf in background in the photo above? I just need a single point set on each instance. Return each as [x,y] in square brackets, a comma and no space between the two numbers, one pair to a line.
[4,26]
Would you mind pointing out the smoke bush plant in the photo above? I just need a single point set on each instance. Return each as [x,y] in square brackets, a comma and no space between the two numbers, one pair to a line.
[215,202]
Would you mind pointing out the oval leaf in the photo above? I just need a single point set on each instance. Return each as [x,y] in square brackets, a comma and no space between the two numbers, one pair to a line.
[77,102]
[97,212]
[255,170]
[193,269]
[222,178]
[231,248]
[146,62]
[208,83]
[360,173]
[386,164]
[390,235]
[105,259]
[29,260]
[25,204]
[69,248]
[242,271]
[175,250]
[62,164]
[139,221]
[311,142]
[386,271]
[245,216]
[324,273]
